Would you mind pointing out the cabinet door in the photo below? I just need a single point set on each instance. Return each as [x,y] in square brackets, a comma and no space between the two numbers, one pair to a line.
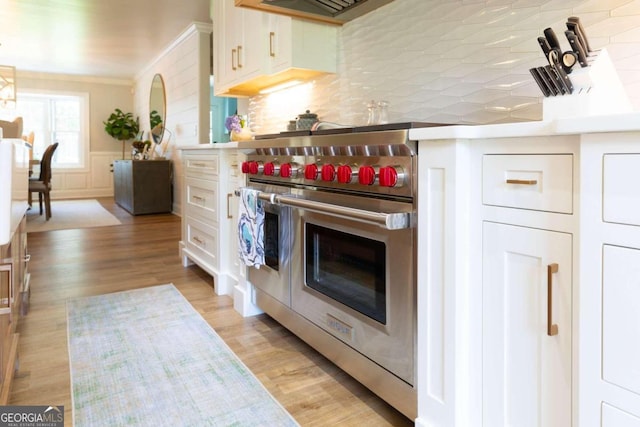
[252,47]
[526,373]
[280,42]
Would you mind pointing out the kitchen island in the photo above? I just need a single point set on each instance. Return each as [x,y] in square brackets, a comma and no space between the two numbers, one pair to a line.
[14,277]
[527,273]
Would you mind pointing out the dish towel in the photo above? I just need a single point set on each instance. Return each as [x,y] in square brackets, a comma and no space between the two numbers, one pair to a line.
[251,228]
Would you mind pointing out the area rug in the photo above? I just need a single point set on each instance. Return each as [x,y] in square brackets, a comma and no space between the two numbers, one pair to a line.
[147,358]
[67,214]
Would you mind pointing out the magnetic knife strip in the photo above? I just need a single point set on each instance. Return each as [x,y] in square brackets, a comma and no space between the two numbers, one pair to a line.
[553,79]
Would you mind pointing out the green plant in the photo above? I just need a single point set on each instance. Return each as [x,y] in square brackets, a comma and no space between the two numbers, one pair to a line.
[155,119]
[121,126]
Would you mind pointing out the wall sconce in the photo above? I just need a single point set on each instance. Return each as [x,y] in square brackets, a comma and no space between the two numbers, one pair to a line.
[7,84]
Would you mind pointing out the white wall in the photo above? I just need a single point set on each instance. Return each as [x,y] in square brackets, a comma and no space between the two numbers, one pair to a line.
[185,69]
[459,61]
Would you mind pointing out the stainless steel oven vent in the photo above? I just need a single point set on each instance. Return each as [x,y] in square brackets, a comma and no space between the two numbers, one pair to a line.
[343,9]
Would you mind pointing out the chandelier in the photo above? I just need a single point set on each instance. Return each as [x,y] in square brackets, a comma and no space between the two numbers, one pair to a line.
[7,84]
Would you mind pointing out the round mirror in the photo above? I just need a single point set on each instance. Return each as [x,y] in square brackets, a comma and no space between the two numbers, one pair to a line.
[157,108]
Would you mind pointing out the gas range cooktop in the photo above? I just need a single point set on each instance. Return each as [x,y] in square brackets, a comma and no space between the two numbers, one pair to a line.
[354,129]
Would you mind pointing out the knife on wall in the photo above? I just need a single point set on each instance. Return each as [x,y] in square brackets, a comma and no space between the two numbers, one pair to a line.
[576,46]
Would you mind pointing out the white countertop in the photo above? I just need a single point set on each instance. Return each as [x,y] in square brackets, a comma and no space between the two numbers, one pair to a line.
[629,122]
[14,185]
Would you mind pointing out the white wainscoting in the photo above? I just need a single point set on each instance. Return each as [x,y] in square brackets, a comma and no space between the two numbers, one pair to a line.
[94,181]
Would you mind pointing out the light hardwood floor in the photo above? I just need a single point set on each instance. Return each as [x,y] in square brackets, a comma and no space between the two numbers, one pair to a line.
[143,251]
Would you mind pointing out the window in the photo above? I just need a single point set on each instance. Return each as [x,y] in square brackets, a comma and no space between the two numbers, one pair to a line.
[57,117]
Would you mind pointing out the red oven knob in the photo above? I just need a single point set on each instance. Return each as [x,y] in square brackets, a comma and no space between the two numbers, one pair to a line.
[288,170]
[311,172]
[255,168]
[367,175]
[391,176]
[345,174]
[271,169]
[328,172]
[245,167]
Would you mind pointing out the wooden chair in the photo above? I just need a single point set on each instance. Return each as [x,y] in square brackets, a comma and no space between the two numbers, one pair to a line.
[11,129]
[42,185]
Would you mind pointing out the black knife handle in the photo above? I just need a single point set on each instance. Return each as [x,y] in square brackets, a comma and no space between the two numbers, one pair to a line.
[573,27]
[577,48]
[555,90]
[583,34]
[541,84]
[544,45]
[550,35]
[563,77]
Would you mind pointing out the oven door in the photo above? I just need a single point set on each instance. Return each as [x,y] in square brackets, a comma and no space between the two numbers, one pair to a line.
[356,281]
[273,278]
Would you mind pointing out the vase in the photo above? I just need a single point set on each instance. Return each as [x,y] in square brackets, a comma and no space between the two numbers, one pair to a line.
[244,135]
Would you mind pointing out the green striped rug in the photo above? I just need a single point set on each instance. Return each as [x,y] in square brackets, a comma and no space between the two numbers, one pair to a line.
[146,358]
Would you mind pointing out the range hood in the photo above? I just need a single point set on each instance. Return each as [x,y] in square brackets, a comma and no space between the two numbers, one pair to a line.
[328,11]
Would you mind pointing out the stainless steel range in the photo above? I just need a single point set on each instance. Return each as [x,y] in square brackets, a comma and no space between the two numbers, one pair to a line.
[340,243]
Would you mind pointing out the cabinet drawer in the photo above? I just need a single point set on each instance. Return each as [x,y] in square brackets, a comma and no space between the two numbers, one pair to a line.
[620,196]
[202,240]
[201,198]
[202,165]
[542,182]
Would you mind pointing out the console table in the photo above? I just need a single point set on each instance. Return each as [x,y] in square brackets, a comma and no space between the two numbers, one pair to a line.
[143,186]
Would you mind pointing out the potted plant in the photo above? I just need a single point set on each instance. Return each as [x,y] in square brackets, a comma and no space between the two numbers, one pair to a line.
[121,126]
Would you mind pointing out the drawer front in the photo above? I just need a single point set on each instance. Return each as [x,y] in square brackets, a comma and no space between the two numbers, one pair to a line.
[201,198]
[203,165]
[542,182]
[202,240]
[620,196]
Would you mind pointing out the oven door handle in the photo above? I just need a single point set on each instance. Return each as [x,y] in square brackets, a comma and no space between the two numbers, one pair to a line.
[389,221]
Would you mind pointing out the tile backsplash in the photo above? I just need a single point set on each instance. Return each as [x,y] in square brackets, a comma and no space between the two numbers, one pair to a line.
[455,61]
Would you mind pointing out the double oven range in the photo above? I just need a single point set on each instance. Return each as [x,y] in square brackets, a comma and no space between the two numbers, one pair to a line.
[340,248]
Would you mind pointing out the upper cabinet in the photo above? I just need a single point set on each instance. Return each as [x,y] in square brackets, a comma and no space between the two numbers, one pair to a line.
[254,50]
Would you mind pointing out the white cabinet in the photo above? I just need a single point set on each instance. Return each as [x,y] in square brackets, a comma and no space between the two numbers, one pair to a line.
[209,212]
[610,281]
[526,326]
[527,225]
[253,50]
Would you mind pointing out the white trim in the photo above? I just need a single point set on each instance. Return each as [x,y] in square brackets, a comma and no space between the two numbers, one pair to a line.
[73,78]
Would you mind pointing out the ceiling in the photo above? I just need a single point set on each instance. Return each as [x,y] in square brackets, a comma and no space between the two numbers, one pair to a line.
[114,38]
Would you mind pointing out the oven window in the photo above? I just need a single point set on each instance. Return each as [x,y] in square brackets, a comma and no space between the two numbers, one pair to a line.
[271,246]
[347,268]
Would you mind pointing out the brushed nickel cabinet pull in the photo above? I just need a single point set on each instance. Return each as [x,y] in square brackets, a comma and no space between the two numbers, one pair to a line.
[233,59]
[200,165]
[239,56]
[552,329]
[272,37]
[229,196]
[522,181]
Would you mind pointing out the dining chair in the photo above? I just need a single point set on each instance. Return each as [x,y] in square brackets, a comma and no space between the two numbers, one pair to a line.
[42,185]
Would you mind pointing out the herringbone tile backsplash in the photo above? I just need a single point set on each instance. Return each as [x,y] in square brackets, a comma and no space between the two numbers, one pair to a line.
[453,61]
